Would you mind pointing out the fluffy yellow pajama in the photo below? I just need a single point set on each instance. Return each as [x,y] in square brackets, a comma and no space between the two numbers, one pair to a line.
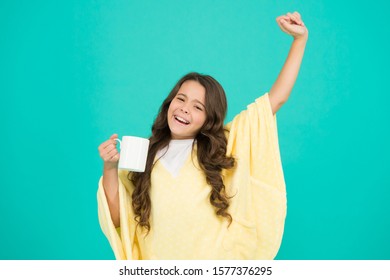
[183,222]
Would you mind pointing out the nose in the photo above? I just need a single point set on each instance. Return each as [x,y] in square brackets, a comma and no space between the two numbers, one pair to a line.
[184,109]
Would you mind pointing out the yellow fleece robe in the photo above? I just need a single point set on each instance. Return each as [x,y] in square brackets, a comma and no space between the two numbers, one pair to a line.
[183,222]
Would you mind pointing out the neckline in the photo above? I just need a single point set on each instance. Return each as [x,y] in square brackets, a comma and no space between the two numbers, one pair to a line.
[181,141]
[189,159]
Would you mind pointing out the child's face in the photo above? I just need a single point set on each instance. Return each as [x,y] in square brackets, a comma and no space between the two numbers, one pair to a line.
[187,111]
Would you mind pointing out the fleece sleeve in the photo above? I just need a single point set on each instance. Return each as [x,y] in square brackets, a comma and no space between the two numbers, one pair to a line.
[123,240]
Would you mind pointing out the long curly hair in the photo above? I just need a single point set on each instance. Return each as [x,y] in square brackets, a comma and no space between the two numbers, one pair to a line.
[211,150]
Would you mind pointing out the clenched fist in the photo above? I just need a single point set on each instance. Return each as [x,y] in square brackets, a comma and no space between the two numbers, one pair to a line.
[293,25]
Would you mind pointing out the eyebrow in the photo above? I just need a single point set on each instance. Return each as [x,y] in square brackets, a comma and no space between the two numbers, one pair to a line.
[196,100]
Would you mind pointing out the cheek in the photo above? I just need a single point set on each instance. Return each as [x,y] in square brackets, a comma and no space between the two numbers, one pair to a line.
[173,106]
[170,109]
[200,119]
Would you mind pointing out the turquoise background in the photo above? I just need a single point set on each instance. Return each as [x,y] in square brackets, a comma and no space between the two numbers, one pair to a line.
[74,72]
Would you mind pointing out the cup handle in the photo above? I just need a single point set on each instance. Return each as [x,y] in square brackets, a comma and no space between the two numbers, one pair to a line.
[120,142]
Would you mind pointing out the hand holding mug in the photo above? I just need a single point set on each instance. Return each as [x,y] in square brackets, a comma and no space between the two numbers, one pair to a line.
[109,153]
[133,154]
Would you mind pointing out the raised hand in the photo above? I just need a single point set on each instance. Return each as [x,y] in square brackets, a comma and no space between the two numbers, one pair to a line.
[292,24]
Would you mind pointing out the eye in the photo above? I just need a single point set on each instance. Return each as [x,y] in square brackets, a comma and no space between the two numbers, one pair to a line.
[180,98]
[198,108]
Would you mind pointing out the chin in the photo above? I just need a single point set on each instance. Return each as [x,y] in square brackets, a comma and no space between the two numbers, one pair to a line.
[181,136]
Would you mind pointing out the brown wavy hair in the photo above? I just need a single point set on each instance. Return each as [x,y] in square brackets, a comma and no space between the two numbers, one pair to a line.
[211,149]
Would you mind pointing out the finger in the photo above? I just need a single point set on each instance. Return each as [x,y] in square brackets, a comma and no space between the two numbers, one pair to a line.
[297,14]
[282,18]
[114,136]
[109,148]
[286,18]
[284,25]
[112,155]
[297,18]
[106,150]
[285,21]
[115,158]
[294,18]
[291,19]
[296,21]
[107,143]
[109,154]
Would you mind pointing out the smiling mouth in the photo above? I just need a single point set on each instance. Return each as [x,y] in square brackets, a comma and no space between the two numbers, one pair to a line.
[181,120]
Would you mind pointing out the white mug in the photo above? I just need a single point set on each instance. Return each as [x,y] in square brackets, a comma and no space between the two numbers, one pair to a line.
[133,153]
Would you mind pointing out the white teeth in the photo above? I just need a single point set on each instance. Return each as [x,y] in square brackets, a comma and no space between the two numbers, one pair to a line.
[182,120]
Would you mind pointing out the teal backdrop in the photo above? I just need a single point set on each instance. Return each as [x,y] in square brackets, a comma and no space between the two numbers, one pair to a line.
[74,72]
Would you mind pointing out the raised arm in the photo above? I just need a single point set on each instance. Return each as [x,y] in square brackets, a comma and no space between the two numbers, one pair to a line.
[293,25]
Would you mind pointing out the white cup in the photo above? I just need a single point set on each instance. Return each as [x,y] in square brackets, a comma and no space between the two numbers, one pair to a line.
[133,153]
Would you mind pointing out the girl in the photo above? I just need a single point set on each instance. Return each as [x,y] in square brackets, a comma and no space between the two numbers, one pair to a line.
[208,191]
